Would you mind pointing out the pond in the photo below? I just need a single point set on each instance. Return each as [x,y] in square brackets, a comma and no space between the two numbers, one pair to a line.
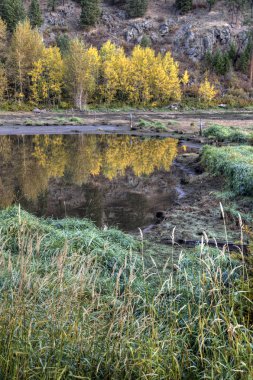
[114,180]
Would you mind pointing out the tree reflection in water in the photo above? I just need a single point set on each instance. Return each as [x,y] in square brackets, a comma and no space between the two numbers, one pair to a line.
[32,168]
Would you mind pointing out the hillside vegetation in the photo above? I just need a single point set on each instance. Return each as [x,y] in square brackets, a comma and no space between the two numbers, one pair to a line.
[125,52]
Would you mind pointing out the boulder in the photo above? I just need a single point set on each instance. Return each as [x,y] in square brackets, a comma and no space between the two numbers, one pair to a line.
[164,29]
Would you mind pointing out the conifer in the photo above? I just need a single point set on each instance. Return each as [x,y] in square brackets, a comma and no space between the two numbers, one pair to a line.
[34,14]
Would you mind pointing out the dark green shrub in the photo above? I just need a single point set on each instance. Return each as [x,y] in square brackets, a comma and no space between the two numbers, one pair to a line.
[34,14]
[184,5]
[145,41]
[136,8]
[90,12]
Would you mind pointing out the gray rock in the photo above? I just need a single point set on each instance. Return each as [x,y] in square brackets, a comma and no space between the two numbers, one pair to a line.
[154,37]
[196,42]
[164,29]
[131,34]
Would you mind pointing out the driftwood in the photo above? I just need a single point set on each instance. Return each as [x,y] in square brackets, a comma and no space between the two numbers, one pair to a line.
[220,244]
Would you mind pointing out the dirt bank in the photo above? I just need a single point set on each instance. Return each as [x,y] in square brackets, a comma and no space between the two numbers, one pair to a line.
[196,211]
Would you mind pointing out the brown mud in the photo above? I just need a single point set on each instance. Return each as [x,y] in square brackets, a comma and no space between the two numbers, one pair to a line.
[196,212]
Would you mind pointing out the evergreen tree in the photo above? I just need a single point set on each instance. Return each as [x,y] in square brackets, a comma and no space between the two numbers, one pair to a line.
[52,4]
[145,41]
[210,4]
[136,8]
[183,5]
[12,12]
[244,59]
[63,43]
[35,14]
[233,53]
[90,12]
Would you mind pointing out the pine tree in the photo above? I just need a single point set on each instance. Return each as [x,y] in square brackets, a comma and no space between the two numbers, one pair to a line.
[90,12]
[136,8]
[184,5]
[35,14]
[52,4]
[12,12]
[210,4]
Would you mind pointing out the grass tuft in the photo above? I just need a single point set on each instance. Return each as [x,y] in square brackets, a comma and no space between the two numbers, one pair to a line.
[234,163]
[229,134]
[152,125]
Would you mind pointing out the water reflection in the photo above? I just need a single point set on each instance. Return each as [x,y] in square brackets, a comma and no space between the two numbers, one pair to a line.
[111,179]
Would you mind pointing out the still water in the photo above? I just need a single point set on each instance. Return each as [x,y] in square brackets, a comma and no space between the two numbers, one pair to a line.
[114,180]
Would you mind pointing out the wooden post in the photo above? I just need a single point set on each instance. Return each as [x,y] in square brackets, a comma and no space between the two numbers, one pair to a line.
[200,127]
[131,121]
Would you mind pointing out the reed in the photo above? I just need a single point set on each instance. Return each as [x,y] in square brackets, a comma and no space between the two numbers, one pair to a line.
[78,302]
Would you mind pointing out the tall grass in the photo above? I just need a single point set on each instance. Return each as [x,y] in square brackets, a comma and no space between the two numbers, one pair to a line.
[78,302]
[235,163]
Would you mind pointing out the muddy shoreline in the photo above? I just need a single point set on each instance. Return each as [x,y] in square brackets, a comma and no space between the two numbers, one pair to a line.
[181,125]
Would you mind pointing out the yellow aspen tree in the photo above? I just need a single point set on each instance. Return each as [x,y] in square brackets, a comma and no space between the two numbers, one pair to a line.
[3,38]
[207,91]
[172,69]
[185,78]
[47,76]
[140,74]
[107,51]
[160,82]
[26,48]
[81,68]
[116,76]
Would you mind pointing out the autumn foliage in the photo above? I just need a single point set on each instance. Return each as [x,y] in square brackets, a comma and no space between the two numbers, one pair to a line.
[34,160]
[38,75]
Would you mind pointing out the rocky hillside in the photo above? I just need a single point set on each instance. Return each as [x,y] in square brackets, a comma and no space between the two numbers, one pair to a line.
[188,36]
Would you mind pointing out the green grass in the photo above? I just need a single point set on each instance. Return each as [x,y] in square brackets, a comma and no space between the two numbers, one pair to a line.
[33,123]
[152,125]
[230,134]
[73,120]
[234,163]
[78,302]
